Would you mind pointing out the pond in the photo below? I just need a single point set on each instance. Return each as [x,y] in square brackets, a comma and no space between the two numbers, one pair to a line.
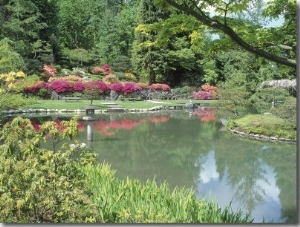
[192,150]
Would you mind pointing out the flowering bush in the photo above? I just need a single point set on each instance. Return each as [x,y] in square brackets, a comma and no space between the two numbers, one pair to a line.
[202,95]
[128,88]
[78,86]
[98,71]
[71,78]
[117,87]
[159,87]
[142,85]
[110,78]
[98,84]
[211,89]
[35,89]
[49,70]
[106,68]
[208,92]
[60,86]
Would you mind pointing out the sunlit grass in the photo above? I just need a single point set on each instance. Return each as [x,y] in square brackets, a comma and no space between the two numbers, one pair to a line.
[100,104]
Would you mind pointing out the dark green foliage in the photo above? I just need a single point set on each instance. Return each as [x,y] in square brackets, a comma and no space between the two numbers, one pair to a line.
[262,99]
[234,101]
[287,111]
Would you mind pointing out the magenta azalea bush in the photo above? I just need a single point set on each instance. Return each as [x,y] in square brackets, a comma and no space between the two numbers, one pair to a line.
[79,86]
[117,87]
[61,86]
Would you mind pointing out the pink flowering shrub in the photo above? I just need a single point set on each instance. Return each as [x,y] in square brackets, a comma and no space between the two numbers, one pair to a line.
[128,88]
[117,87]
[49,70]
[106,68]
[202,95]
[61,86]
[208,92]
[78,86]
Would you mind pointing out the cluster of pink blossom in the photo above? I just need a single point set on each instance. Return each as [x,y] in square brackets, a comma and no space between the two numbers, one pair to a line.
[207,92]
[49,70]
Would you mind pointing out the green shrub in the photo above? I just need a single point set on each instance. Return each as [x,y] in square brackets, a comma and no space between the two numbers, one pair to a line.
[262,99]
[15,101]
[39,185]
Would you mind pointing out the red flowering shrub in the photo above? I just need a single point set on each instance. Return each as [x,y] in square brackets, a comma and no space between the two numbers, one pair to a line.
[117,87]
[60,86]
[35,89]
[49,70]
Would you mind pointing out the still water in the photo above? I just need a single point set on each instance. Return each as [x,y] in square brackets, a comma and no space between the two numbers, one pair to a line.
[192,150]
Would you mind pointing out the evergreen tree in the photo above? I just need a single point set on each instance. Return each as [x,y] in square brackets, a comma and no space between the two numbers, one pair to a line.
[148,58]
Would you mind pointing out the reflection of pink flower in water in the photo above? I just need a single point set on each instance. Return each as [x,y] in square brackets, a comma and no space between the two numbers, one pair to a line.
[205,115]
[159,119]
[108,128]
[80,126]
[35,125]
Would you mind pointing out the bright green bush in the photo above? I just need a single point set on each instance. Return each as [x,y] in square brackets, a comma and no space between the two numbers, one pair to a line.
[39,185]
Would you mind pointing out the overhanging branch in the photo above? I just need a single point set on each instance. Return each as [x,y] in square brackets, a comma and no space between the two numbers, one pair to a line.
[206,20]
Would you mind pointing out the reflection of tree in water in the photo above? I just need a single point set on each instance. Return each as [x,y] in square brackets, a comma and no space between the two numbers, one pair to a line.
[245,164]
[247,191]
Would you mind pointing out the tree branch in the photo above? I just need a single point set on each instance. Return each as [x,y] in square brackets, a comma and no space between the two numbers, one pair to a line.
[206,20]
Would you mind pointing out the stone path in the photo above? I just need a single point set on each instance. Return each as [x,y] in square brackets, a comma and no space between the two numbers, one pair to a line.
[113,107]
[157,101]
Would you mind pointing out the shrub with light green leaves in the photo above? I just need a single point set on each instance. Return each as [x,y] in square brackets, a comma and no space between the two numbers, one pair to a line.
[39,185]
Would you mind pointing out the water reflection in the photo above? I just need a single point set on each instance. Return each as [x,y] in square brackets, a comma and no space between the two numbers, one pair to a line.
[190,150]
[260,196]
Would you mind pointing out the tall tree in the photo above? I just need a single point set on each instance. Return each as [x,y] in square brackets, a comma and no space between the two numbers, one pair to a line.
[265,42]
[21,24]
[147,57]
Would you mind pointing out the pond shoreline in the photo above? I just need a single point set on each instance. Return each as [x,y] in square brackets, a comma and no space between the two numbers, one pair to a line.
[260,136]
[143,110]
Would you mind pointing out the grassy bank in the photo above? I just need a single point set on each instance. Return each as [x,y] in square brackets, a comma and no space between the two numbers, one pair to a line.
[81,104]
[268,125]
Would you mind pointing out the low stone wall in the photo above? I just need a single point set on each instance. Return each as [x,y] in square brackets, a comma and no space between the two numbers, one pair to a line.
[259,136]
